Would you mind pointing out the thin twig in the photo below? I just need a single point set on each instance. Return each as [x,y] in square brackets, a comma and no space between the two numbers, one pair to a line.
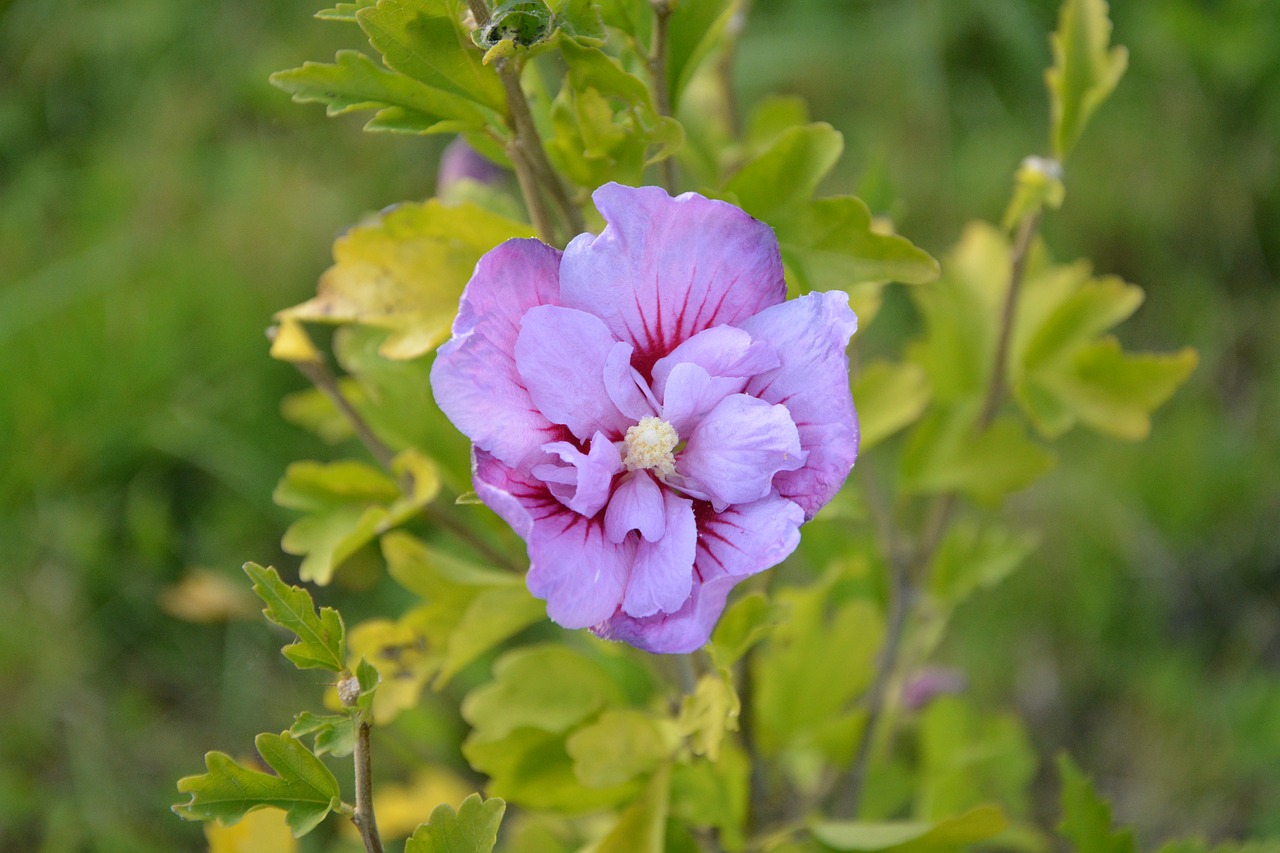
[658,73]
[363,817]
[320,376]
[909,574]
[1018,268]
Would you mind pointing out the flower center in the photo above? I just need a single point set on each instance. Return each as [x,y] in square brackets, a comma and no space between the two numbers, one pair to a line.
[651,444]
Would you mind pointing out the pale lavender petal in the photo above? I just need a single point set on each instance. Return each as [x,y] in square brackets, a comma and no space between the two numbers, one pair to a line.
[662,576]
[627,388]
[664,269]
[474,378]
[810,335]
[583,481]
[723,351]
[572,565]
[636,505]
[735,451]
[561,355]
[732,545]
[691,395]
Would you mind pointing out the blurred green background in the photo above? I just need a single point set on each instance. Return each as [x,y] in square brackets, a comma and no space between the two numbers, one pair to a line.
[158,200]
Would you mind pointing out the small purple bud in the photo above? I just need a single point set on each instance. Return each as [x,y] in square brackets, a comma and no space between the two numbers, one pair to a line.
[930,683]
[462,162]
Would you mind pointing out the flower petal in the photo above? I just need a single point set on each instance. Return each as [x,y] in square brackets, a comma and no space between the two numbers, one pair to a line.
[474,378]
[561,355]
[662,576]
[723,352]
[810,335]
[572,566]
[582,483]
[736,543]
[664,269]
[636,505]
[733,454]
[627,388]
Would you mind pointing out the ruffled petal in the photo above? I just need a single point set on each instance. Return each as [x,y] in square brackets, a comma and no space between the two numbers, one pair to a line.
[561,355]
[741,541]
[627,388]
[734,453]
[664,269]
[724,351]
[662,576]
[636,505]
[810,335]
[691,394]
[474,378]
[572,566]
[583,481]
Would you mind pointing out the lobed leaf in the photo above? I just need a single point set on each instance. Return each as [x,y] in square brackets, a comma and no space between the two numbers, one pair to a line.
[404,271]
[303,787]
[786,174]
[473,828]
[355,82]
[321,637]
[709,713]
[334,734]
[1084,71]
[348,504]
[427,42]
[642,827]
[617,747]
[1086,817]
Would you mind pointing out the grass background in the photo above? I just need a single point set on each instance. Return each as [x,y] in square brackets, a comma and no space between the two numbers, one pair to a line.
[158,200]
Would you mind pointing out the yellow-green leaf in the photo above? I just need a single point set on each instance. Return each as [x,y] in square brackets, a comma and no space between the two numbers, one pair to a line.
[1085,70]
[889,397]
[617,747]
[708,713]
[642,827]
[404,271]
[912,836]
[473,828]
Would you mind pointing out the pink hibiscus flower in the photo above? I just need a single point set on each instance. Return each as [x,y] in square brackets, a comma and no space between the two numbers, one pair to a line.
[648,411]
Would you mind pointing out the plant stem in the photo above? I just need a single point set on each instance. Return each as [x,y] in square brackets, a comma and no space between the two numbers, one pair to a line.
[529,157]
[658,73]
[320,376]
[1018,268]
[363,817]
[907,574]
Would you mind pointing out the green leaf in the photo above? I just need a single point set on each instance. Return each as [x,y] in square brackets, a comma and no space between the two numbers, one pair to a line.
[617,747]
[889,398]
[968,757]
[335,734]
[304,788]
[430,45]
[1084,71]
[802,691]
[1036,185]
[473,828]
[1115,392]
[345,12]
[321,637]
[348,505]
[973,557]
[832,244]
[356,83]
[706,794]
[744,623]
[642,827]
[785,175]
[902,836]
[404,271]
[547,687]
[468,609]
[709,712]
[531,768]
[1086,817]
[693,32]
[403,657]
[947,452]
